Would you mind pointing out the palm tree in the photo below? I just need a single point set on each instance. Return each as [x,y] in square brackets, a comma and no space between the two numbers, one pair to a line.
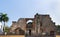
[0,17]
[4,19]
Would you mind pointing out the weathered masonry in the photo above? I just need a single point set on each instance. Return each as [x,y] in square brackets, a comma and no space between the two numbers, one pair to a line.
[40,24]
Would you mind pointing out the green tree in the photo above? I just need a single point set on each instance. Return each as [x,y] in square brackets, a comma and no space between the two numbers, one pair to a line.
[58,29]
[4,19]
[0,17]
[6,29]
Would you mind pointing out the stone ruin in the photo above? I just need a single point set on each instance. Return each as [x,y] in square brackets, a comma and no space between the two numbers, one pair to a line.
[40,25]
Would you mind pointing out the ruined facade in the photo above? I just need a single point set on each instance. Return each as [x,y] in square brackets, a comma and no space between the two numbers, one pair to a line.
[40,24]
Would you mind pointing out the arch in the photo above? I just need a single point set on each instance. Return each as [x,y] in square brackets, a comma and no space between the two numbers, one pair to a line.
[19,31]
[29,21]
[29,24]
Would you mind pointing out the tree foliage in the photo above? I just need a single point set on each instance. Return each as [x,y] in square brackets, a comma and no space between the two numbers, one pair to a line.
[0,17]
[6,29]
[4,18]
[58,27]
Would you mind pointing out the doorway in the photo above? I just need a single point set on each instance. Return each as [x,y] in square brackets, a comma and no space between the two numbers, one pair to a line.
[29,31]
[51,32]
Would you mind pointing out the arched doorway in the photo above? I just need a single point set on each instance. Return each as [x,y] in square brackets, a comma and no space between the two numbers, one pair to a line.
[29,26]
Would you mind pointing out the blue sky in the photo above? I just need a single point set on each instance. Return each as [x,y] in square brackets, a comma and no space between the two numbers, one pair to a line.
[28,8]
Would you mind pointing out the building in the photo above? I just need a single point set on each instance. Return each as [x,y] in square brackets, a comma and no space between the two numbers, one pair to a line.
[40,24]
